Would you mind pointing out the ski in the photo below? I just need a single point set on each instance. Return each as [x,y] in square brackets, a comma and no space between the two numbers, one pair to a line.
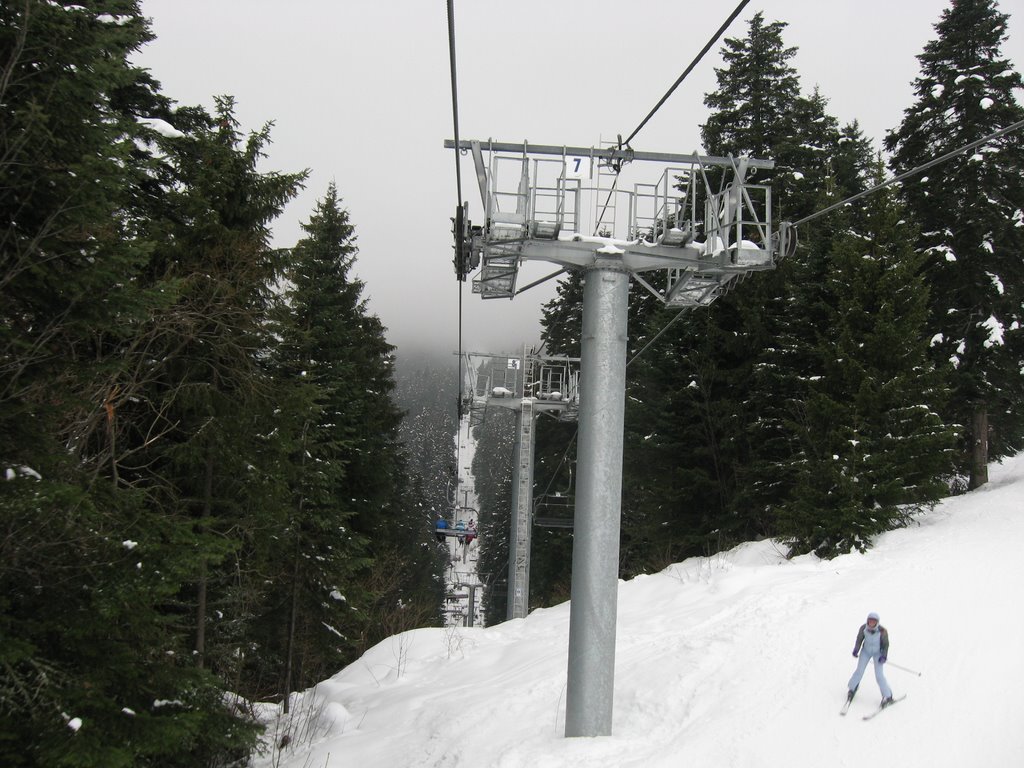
[849,701]
[846,706]
[880,709]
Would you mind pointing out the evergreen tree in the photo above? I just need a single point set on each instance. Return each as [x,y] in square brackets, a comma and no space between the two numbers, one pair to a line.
[707,444]
[969,209]
[724,376]
[562,317]
[207,399]
[874,449]
[333,355]
[92,563]
[426,392]
[755,105]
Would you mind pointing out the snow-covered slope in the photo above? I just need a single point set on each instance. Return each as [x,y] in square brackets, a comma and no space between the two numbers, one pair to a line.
[461,577]
[735,661]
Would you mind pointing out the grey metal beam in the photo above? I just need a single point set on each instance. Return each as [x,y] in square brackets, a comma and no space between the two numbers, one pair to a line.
[522,512]
[609,153]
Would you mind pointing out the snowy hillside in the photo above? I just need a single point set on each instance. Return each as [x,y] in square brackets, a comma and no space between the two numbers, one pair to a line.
[461,578]
[736,661]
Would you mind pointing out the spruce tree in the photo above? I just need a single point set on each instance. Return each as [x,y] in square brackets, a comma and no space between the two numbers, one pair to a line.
[319,596]
[873,447]
[969,209]
[725,374]
[754,109]
[708,447]
[94,560]
[207,397]
[354,543]
[562,317]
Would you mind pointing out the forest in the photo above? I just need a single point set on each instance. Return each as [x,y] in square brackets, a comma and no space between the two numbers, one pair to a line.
[203,436]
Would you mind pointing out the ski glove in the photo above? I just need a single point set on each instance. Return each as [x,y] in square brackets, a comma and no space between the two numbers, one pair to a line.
[881,659]
[855,654]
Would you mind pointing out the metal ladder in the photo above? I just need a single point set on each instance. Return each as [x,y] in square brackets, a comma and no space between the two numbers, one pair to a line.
[605,197]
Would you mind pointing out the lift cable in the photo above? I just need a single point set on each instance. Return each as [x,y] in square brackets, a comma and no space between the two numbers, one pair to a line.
[853,198]
[703,52]
[455,97]
[911,172]
[625,144]
[458,189]
[611,191]
[739,8]
[654,338]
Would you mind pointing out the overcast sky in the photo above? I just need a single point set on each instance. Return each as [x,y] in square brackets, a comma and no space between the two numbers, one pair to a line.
[359,93]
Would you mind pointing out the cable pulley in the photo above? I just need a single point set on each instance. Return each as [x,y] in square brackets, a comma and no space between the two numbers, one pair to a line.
[786,241]
[466,259]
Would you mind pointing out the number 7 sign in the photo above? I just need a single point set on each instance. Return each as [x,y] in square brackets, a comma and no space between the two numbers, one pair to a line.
[577,167]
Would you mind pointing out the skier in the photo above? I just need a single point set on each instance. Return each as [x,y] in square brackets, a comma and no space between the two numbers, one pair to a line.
[872,643]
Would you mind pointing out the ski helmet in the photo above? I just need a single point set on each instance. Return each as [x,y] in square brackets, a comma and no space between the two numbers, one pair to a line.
[874,616]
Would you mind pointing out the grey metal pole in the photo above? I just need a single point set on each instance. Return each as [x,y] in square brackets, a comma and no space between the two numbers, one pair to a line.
[514,587]
[522,508]
[595,552]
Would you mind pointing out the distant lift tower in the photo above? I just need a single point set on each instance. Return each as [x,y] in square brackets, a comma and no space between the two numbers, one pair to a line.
[684,233]
[528,385]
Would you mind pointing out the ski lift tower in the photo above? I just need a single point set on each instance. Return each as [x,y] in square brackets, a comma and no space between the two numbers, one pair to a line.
[528,385]
[684,232]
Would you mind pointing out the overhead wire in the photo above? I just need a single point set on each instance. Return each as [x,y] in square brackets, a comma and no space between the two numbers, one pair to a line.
[707,47]
[654,338]
[455,96]
[853,198]
[703,51]
[911,172]
[458,190]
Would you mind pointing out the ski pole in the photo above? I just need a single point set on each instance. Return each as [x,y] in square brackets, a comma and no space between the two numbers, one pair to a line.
[911,671]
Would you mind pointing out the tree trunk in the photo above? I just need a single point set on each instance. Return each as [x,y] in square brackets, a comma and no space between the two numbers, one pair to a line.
[201,596]
[292,621]
[979,447]
[294,609]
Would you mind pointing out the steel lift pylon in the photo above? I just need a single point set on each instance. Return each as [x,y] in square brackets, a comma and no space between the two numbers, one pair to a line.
[530,385]
[685,233]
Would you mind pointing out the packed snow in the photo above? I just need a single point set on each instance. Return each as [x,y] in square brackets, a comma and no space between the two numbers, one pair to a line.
[739,660]
[462,582]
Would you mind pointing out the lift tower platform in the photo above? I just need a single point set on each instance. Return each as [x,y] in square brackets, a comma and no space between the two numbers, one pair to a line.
[684,231]
[529,385]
